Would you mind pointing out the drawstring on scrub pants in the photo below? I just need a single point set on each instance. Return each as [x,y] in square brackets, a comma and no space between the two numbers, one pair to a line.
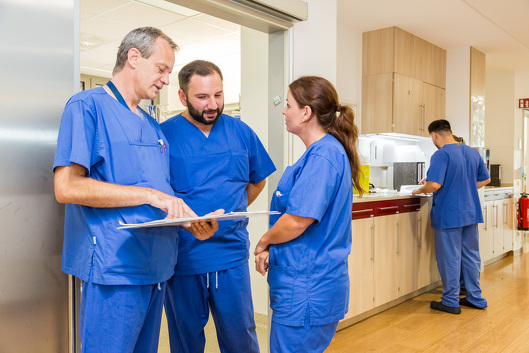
[216,280]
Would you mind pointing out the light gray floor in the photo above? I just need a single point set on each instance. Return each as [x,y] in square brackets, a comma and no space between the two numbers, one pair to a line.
[261,322]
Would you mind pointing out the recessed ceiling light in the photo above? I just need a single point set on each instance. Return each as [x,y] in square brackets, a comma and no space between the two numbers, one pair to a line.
[89,41]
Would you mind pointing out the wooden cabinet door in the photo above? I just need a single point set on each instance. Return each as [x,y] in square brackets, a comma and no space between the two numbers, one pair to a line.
[428,272]
[517,235]
[377,103]
[486,245]
[361,267]
[386,259]
[408,251]
[482,229]
[497,228]
[378,51]
[408,54]
[434,65]
[508,224]
[434,106]
[407,105]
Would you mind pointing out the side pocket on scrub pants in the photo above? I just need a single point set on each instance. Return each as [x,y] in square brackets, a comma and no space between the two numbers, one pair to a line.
[282,281]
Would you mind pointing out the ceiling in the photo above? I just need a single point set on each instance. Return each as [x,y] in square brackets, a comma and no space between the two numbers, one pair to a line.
[500,29]
[104,23]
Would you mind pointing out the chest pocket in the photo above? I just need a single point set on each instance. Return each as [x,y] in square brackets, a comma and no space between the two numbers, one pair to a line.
[189,172]
[284,187]
[136,154]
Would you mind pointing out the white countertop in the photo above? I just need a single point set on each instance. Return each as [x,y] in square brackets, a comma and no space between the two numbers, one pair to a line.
[384,196]
[499,189]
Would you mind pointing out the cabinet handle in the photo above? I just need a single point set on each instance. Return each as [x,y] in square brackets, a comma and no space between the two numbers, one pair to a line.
[423,118]
[388,208]
[398,237]
[486,219]
[362,211]
[495,225]
[373,242]
[504,213]
[414,205]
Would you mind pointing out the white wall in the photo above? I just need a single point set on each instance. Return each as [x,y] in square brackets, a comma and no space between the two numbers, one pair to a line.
[521,90]
[315,48]
[315,41]
[499,120]
[254,112]
[458,91]
[349,66]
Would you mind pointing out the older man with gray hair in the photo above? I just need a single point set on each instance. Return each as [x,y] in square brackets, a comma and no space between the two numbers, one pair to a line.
[111,165]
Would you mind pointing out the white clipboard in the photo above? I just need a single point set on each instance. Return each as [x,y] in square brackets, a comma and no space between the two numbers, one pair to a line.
[180,221]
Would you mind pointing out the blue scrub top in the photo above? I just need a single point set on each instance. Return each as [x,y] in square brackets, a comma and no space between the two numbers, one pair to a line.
[116,146]
[213,172]
[457,168]
[312,269]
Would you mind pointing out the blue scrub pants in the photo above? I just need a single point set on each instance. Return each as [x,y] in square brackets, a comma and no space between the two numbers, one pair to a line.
[457,250]
[301,339]
[121,318]
[227,294]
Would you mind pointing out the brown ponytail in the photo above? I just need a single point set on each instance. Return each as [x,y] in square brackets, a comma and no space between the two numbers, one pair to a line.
[337,120]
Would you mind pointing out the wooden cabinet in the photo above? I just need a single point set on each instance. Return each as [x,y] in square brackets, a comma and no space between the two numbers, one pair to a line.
[433,65]
[416,250]
[497,228]
[378,51]
[486,237]
[392,49]
[497,233]
[428,271]
[386,259]
[403,82]
[508,224]
[407,105]
[361,267]
[408,251]
[517,236]
[377,97]
[397,103]
[392,252]
[433,106]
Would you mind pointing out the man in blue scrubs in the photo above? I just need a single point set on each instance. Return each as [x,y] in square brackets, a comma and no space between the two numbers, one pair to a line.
[217,162]
[111,165]
[456,173]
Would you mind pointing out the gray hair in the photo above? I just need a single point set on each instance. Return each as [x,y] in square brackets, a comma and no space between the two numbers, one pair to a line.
[143,39]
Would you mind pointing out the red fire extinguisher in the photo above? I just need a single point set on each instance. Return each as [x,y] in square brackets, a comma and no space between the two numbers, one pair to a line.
[522,214]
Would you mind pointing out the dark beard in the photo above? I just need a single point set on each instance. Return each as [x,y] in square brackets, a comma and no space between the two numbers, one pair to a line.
[199,116]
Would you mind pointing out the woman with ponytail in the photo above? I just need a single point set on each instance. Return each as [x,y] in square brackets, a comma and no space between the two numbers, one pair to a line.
[306,248]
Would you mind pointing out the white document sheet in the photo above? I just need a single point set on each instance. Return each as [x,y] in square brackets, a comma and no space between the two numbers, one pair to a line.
[405,190]
[179,221]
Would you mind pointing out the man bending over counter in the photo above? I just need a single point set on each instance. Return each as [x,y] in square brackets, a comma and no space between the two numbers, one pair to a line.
[456,173]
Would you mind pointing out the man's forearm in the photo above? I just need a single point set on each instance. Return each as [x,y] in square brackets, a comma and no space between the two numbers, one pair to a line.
[253,190]
[427,188]
[481,184]
[73,187]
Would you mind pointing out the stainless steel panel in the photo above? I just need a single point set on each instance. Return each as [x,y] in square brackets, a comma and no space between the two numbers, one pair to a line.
[36,79]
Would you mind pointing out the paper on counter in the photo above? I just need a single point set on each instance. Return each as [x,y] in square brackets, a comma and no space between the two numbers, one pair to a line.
[179,221]
[406,190]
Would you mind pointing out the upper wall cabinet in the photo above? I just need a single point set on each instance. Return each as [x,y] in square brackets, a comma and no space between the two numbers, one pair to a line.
[403,82]
[395,50]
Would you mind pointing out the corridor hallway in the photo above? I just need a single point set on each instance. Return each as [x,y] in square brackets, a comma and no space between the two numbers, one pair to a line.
[413,327]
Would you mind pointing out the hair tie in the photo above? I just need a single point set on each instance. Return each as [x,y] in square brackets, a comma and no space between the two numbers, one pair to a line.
[338,107]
